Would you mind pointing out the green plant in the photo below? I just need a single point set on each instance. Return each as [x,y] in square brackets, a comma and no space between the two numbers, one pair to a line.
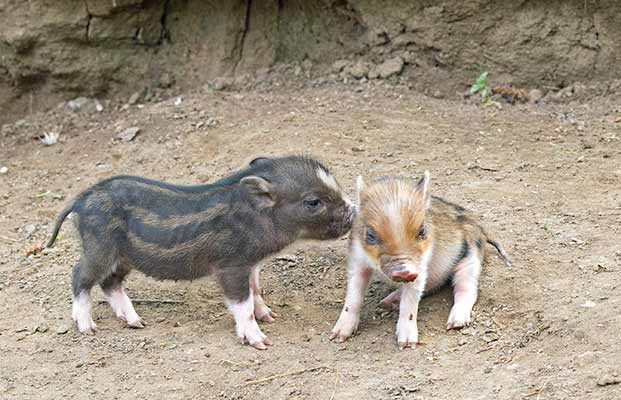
[480,86]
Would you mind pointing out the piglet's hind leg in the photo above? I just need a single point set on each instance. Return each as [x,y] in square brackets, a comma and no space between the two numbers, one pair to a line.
[466,284]
[261,311]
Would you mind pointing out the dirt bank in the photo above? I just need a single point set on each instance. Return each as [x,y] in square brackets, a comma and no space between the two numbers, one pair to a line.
[64,49]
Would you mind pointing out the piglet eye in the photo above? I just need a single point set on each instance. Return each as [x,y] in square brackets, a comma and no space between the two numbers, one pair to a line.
[312,203]
[371,236]
[422,233]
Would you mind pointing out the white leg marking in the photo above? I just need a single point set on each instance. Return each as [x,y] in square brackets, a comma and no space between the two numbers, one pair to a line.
[82,313]
[245,323]
[261,311]
[407,329]
[359,275]
[466,283]
[123,307]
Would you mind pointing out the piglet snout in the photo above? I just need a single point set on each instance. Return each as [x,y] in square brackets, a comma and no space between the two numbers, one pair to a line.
[403,275]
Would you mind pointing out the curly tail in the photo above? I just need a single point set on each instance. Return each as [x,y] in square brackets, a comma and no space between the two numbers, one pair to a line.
[59,222]
[501,251]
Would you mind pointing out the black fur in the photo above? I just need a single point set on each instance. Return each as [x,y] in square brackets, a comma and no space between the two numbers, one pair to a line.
[463,252]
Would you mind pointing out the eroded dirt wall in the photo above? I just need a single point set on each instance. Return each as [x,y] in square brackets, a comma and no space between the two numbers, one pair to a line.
[54,50]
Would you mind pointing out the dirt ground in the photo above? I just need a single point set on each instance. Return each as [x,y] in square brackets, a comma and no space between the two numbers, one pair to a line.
[545,178]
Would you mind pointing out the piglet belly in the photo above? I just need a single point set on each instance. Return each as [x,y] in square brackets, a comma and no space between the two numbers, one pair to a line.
[440,270]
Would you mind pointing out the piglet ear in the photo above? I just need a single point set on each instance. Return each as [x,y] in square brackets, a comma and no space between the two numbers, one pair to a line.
[260,189]
[422,188]
[261,160]
[360,185]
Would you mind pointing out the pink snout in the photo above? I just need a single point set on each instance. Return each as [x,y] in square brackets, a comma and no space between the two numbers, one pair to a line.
[403,275]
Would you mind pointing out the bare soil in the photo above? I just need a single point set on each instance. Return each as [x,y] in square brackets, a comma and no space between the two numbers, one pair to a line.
[546,180]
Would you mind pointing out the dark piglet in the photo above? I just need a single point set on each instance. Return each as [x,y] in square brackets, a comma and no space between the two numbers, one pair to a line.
[186,232]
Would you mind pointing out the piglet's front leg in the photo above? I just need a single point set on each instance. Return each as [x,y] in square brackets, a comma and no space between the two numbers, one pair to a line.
[240,301]
[359,275]
[407,328]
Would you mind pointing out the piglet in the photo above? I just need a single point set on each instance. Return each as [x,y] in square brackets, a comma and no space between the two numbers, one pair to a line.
[179,232]
[417,241]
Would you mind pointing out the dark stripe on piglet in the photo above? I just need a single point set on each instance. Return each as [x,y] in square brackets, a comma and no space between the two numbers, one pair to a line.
[463,252]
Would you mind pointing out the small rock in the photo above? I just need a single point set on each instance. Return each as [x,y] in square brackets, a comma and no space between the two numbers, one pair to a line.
[98,106]
[513,367]
[222,83]
[160,319]
[178,100]
[62,329]
[609,380]
[134,98]
[390,67]
[29,230]
[166,80]
[128,134]
[3,170]
[211,122]
[588,304]
[564,93]
[339,65]
[359,70]
[437,94]
[535,95]
[49,138]
[41,328]
[77,103]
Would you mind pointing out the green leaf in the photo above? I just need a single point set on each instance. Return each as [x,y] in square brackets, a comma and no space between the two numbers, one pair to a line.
[480,84]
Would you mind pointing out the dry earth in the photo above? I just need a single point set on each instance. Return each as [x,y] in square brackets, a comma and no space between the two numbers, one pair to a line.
[546,179]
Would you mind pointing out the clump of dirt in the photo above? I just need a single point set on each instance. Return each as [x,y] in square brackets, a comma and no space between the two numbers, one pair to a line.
[110,49]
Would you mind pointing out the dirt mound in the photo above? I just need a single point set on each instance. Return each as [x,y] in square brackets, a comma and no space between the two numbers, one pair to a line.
[94,48]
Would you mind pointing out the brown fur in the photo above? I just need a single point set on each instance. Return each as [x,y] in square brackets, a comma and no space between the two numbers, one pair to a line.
[379,204]
[395,209]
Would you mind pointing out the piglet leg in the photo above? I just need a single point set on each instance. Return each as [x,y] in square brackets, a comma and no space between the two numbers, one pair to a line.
[246,325]
[391,302]
[407,329]
[359,275]
[465,282]
[261,311]
[240,301]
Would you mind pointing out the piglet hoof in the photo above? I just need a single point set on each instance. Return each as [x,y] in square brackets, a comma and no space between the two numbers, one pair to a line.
[338,337]
[136,324]
[407,334]
[269,317]
[87,329]
[345,327]
[458,318]
[251,334]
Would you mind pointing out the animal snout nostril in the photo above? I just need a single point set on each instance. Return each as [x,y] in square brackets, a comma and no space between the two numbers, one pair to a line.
[404,276]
